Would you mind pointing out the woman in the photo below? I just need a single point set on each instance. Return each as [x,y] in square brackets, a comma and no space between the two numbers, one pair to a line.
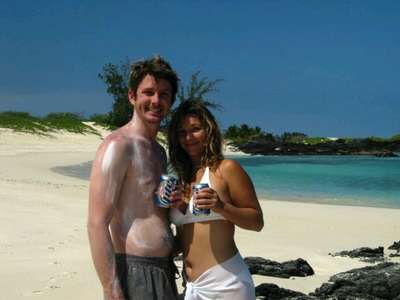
[213,267]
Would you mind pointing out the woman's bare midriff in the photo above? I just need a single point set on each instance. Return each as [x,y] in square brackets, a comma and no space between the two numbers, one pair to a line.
[213,245]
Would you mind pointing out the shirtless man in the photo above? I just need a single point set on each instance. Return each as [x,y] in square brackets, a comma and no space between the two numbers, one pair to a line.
[129,236]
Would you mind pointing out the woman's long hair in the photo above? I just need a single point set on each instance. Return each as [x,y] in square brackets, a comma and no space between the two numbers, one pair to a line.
[212,154]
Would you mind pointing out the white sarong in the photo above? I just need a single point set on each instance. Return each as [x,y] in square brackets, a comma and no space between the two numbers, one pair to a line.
[230,280]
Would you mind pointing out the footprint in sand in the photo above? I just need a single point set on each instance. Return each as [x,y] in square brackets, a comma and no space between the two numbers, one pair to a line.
[68,275]
[54,287]
[54,283]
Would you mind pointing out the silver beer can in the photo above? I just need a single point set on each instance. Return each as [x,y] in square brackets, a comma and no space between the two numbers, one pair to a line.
[167,184]
[195,210]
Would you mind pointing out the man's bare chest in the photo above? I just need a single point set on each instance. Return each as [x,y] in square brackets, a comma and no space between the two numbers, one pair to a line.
[145,165]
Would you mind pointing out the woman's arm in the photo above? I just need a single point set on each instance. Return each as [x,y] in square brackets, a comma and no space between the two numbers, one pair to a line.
[244,209]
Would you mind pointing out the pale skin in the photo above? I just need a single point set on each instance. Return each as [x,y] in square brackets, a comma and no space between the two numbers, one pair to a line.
[206,244]
[122,216]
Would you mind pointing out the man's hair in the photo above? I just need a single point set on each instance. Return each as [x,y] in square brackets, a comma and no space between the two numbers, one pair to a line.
[212,154]
[157,67]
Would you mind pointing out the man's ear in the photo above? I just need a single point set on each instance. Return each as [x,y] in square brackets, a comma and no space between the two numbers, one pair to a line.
[131,96]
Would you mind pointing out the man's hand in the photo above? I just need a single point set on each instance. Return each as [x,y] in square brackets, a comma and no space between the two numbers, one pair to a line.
[176,197]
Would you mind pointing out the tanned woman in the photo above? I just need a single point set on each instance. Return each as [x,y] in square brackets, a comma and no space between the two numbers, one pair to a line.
[206,218]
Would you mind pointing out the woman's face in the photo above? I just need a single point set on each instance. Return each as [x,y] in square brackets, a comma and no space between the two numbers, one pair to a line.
[192,136]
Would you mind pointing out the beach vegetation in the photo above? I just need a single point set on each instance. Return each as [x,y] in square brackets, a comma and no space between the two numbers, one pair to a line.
[22,122]
[348,140]
[70,122]
[245,133]
[293,137]
[395,138]
[315,140]
[376,139]
[253,140]
[102,120]
[25,122]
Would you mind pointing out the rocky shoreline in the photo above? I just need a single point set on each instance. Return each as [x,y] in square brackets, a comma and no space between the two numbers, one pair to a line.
[336,147]
[376,282]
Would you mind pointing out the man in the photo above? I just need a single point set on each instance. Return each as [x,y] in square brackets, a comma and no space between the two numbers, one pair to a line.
[129,235]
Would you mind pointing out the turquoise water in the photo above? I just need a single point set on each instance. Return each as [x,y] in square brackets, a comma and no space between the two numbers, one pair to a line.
[344,180]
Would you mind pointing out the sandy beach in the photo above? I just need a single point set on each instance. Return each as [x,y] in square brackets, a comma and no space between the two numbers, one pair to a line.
[44,251]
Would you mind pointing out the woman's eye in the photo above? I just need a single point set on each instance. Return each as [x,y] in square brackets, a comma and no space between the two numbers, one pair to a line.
[166,95]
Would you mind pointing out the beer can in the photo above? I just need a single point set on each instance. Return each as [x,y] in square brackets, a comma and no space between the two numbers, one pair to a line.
[167,184]
[195,210]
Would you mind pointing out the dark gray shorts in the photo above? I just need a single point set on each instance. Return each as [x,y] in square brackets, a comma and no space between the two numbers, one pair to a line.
[146,278]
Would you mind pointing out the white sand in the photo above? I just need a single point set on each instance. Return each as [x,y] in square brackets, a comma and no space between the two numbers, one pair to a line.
[230,150]
[44,252]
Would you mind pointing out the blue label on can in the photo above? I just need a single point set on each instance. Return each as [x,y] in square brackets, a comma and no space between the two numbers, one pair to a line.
[195,210]
[167,184]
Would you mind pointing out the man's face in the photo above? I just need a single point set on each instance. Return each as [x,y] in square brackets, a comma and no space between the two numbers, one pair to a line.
[152,100]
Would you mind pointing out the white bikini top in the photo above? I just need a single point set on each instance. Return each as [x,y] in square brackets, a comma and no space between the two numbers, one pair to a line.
[178,218]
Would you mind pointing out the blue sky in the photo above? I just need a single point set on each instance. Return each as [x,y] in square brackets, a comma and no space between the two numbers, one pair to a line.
[324,68]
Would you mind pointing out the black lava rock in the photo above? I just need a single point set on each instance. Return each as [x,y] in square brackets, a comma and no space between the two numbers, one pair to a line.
[262,266]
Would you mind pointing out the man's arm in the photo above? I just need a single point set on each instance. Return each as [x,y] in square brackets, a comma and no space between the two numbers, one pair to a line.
[108,172]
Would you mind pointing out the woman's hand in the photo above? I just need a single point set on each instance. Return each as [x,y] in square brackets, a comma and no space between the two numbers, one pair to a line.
[208,198]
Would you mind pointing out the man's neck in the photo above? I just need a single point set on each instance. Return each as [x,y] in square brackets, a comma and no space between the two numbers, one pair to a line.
[141,128]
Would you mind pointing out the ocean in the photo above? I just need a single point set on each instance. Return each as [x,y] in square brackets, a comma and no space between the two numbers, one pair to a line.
[341,180]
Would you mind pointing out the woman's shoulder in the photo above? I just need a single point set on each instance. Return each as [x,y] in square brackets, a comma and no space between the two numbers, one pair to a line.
[228,164]
[229,167]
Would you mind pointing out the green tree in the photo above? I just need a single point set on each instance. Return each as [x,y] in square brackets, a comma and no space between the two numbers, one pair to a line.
[102,119]
[198,89]
[396,137]
[232,132]
[245,133]
[116,79]
[293,137]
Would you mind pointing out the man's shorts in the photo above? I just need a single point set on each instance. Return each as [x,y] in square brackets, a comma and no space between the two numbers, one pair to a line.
[146,278]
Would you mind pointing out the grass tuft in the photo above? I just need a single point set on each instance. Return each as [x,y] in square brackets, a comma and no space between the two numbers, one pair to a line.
[24,122]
